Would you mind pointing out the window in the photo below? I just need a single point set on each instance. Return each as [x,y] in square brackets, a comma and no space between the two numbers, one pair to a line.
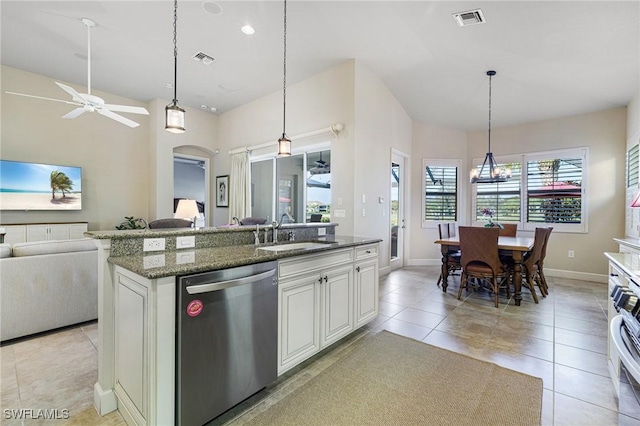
[440,184]
[545,188]
[503,199]
[298,186]
[633,161]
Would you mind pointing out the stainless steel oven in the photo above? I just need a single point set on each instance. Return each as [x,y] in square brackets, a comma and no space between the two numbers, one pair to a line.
[624,346]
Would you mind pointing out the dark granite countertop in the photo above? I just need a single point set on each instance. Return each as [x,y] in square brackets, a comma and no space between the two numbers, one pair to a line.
[188,261]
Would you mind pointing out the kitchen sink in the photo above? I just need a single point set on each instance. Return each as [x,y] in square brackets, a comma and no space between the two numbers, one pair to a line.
[295,246]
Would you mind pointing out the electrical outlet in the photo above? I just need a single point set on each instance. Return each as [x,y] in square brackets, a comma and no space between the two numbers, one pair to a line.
[340,213]
[154,261]
[571,254]
[153,244]
[322,232]
[186,242]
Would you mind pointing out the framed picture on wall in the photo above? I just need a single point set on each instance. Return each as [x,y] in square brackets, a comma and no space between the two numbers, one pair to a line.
[222,191]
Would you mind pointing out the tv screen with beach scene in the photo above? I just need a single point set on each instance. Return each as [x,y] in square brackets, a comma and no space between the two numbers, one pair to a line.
[33,186]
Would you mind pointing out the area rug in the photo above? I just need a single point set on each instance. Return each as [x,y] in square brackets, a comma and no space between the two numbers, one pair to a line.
[389,379]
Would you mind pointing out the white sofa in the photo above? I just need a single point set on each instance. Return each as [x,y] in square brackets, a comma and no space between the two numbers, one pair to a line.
[45,285]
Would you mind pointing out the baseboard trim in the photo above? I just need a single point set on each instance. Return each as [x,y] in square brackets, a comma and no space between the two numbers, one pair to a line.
[104,401]
[559,273]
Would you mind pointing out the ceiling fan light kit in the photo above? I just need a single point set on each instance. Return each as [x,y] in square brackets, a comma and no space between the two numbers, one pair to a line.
[174,114]
[86,102]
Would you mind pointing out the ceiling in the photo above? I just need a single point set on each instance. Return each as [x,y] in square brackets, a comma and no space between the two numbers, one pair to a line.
[553,58]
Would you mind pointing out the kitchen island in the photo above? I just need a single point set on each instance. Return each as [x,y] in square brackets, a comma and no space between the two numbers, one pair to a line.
[137,301]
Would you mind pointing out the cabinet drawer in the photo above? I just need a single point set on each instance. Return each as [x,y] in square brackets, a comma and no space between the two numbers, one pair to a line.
[364,252]
[312,262]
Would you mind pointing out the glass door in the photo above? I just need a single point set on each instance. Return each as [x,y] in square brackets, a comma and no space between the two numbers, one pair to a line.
[396,210]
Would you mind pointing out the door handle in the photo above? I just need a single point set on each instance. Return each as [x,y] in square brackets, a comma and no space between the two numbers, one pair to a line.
[358,268]
[205,288]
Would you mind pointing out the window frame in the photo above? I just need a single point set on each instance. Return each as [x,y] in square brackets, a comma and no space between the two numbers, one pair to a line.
[524,159]
[460,189]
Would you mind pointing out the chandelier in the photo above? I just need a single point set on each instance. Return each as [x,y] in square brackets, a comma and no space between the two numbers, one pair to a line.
[494,173]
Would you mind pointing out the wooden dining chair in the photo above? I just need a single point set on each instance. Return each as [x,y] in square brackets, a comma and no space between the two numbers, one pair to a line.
[508,230]
[531,265]
[480,259]
[543,280]
[453,253]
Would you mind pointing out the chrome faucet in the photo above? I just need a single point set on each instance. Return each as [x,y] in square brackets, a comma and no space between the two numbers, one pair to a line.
[274,226]
[291,235]
[236,220]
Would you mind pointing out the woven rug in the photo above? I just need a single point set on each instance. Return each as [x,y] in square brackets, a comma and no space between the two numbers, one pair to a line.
[393,380]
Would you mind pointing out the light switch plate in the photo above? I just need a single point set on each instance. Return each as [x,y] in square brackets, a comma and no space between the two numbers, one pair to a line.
[186,242]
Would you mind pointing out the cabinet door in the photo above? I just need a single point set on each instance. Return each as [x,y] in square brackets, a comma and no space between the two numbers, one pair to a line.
[37,232]
[77,230]
[337,304]
[15,234]
[366,292]
[59,232]
[298,320]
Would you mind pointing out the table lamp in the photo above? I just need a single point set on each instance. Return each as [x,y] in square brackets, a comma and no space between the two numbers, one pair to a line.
[188,209]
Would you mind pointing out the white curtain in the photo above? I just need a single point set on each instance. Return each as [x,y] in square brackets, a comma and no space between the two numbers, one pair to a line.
[240,186]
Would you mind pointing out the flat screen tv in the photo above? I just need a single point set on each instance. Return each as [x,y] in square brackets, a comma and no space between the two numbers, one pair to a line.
[33,186]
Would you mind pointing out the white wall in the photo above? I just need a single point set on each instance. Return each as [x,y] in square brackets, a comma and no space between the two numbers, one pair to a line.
[604,133]
[432,142]
[381,124]
[113,157]
[312,104]
[126,171]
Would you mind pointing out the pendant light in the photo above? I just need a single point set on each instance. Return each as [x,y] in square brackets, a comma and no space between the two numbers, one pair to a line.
[494,172]
[284,143]
[174,114]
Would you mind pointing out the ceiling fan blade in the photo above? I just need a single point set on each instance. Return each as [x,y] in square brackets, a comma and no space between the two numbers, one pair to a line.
[75,113]
[117,117]
[70,90]
[42,97]
[125,108]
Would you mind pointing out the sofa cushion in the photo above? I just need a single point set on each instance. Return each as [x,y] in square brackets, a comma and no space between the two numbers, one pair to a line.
[53,247]
[5,250]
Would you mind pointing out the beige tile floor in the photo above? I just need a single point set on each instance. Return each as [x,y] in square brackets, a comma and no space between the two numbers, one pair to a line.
[562,340]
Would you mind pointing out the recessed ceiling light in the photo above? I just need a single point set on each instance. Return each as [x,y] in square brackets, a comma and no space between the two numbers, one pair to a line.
[248,29]
[212,109]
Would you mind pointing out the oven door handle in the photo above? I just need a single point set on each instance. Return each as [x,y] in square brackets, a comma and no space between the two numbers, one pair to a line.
[631,364]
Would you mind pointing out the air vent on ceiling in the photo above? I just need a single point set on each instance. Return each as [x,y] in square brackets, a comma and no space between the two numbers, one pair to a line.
[471,17]
[203,57]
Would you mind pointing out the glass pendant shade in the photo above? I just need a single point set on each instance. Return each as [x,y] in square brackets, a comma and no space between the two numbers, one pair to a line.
[284,146]
[174,118]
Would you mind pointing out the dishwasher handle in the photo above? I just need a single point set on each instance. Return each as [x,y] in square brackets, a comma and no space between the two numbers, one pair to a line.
[209,287]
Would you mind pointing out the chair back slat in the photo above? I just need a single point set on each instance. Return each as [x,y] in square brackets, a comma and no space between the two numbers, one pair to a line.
[480,244]
[536,251]
[543,254]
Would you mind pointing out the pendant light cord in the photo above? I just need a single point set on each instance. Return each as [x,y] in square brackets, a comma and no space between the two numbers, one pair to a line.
[175,52]
[284,78]
[491,73]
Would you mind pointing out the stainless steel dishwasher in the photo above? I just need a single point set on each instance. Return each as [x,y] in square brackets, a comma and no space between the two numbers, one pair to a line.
[227,339]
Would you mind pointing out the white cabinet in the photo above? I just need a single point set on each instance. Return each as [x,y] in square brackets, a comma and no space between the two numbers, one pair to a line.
[144,347]
[366,284]
[324,297]
[315,304]
[44,232]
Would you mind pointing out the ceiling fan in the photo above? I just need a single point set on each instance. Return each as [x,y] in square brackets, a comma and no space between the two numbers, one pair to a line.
[86,102]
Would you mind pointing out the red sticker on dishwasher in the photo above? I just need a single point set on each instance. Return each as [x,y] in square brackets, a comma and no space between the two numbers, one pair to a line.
[194,308]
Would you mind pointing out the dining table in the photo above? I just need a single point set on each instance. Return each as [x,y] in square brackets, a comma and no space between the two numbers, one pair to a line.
[518,246]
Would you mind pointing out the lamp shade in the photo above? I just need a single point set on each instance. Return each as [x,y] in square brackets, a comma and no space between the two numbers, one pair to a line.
[187,209]
[174,119]
[284,146]
[636,200]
